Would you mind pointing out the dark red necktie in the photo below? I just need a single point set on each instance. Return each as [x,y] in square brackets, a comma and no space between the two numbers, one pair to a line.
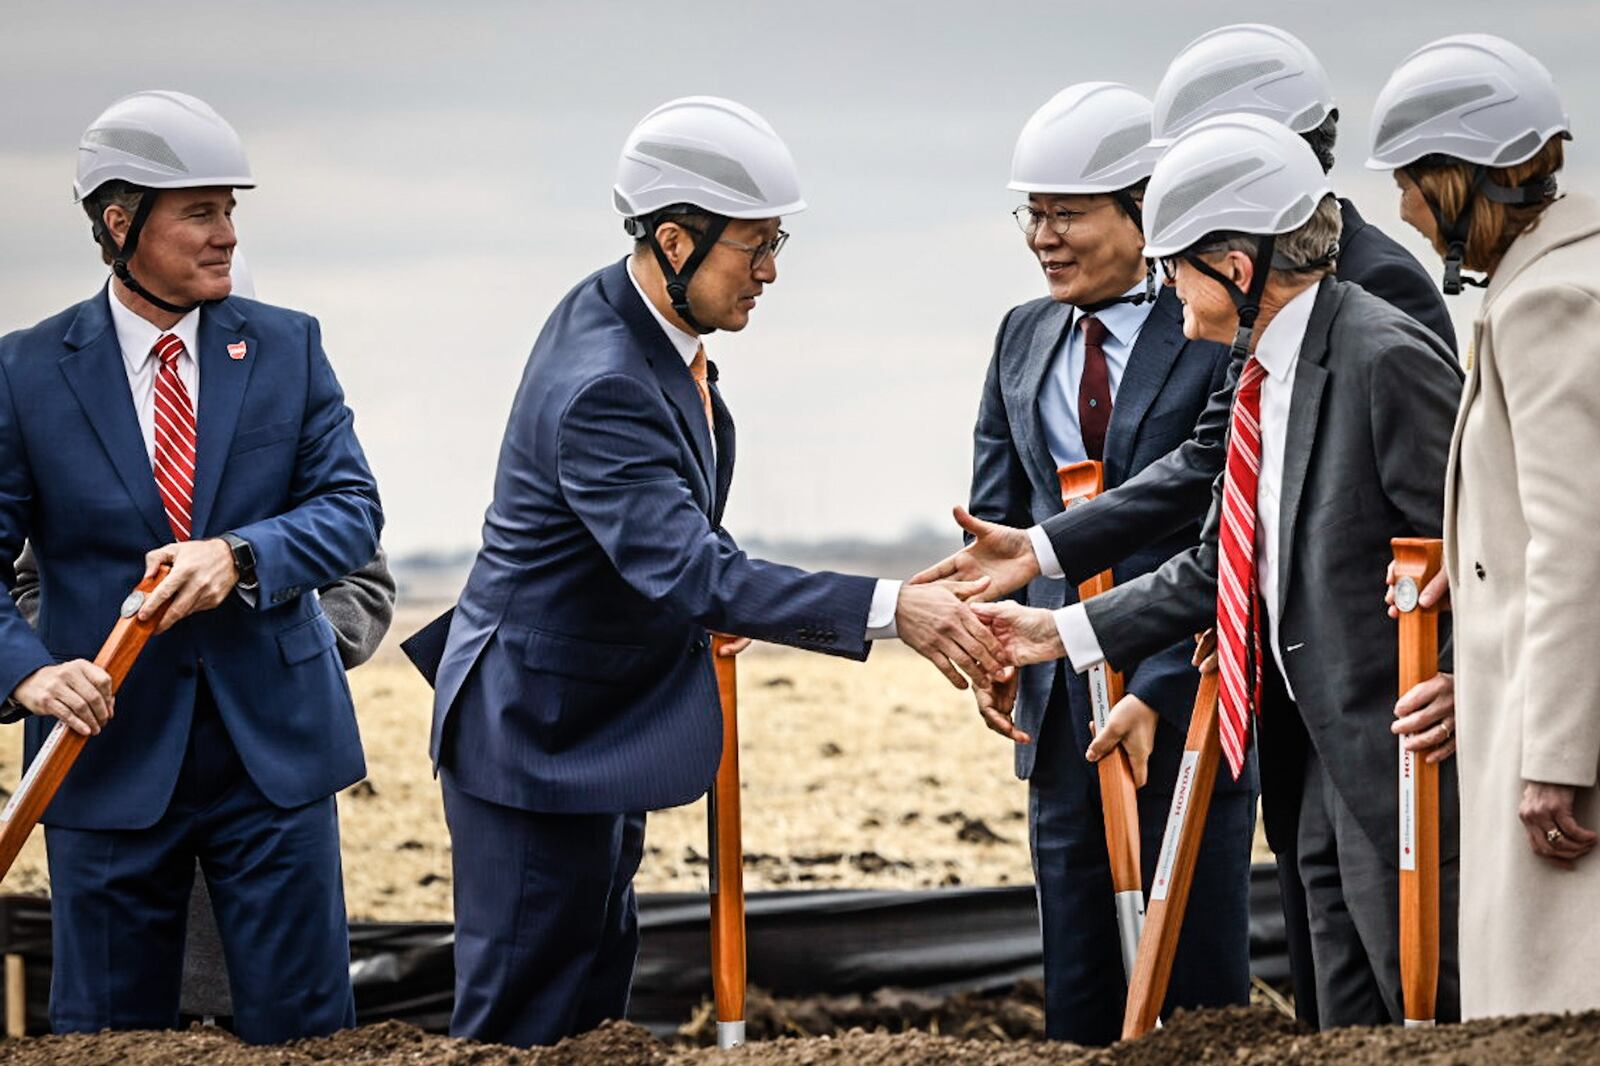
[175,437]
[1094,390]
[1238,601]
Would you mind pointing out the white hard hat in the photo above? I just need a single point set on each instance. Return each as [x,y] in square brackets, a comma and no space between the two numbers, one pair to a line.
[160,140]
[713,153]
[1474,97]
[1234,173]
[1093,137]
[1256,69]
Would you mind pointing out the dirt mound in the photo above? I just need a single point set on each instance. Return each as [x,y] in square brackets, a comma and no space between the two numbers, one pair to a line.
[1243,1036]
[1016,1014]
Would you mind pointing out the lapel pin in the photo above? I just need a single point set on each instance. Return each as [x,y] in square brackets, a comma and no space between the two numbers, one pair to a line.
[237,350]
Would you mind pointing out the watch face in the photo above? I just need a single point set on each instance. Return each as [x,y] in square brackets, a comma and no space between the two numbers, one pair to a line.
[1405,595]
[131,605]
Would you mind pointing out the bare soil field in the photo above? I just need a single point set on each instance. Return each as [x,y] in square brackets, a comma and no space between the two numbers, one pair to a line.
[1251,1036]
[856,775]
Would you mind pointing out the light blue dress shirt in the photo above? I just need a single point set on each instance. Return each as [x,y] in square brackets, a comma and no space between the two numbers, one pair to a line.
[1058,395]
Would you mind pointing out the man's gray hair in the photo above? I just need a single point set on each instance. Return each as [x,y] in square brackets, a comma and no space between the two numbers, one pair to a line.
[1309,242]
[124,194]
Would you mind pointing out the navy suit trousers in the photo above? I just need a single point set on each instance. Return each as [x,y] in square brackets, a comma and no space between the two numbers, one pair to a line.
[1085,987]
[120,901]
[547,930]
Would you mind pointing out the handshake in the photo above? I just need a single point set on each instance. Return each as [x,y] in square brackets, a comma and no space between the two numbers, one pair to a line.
[951,613]
[946,612]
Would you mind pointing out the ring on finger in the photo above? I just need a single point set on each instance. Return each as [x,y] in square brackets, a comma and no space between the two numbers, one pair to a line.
[1554,835]
[1447,728]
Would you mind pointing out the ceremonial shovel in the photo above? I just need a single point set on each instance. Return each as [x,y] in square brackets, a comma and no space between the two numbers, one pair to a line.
[60,749]
[1180,847]
[1118,794]
[727,863]
[1416,561]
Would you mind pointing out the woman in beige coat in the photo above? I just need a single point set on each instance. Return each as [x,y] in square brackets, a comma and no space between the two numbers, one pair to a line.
[1474,130]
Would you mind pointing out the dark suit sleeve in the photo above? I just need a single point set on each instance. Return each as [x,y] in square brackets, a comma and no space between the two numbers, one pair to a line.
[1166,682]
[1164,607]
[617,457]
[360,605]
[1158,501]
[21,650]
[333,521]
[1000,488]
[1414,397]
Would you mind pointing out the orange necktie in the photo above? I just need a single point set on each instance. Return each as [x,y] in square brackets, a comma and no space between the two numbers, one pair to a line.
[697,370]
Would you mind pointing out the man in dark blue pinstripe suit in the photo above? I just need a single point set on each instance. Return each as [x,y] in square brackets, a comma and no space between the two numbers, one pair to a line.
[575,688]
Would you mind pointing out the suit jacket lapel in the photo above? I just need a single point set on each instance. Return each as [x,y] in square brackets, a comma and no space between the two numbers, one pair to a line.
[1305,409]
[1047,334]
[682,395]
[1147,369]
[223,380]
[95,371]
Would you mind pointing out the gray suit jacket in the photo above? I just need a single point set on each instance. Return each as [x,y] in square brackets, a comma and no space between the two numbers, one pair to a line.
[1369,431]
[360,605]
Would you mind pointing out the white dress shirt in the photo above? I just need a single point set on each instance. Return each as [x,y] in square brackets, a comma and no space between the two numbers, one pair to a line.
[137,339]
[886,594]
[1278,351]
[1058,398]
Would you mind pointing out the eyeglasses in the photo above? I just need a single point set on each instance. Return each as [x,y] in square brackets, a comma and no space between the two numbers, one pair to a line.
[1029,220]
[1169,263]
[760,253]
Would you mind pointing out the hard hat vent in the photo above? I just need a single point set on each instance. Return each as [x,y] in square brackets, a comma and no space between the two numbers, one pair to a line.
[713,166]
[1186,197]
[1118,146]
[1295,215]
[1520,149]
[1203,90]
[140,143]
[1424,108]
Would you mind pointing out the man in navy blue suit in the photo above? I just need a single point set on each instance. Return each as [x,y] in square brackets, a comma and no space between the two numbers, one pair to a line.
[575,689]
[1100,370]
[163,421]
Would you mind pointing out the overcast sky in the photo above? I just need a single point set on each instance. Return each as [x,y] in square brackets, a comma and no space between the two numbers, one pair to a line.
[434,177]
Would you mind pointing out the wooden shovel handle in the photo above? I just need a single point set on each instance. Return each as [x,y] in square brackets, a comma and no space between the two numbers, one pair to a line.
[61,748]
[1119,801]
[1417,560]
[1180,848]
[727,852]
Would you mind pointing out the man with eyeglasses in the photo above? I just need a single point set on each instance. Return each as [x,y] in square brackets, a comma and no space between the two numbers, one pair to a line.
[1265,71]
[574,683]
[1100,370]
[1337,441]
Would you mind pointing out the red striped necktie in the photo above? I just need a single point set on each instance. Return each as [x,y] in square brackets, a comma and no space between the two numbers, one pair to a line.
[1238,623]
[175,437]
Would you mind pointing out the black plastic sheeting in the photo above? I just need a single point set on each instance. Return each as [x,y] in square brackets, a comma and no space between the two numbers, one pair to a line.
[798,943]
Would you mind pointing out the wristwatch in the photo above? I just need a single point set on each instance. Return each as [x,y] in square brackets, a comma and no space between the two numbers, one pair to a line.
[244,558]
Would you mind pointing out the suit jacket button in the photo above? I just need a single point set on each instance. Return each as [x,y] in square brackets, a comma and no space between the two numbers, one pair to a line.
[1477,568]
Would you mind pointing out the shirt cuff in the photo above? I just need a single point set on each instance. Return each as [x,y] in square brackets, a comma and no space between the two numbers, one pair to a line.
[1049,565]
[1077,636]
[880,616]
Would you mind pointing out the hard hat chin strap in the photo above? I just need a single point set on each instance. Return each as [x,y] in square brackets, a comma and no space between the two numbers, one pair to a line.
[1454,231]
[130,244]
[678,280]
[1248,304]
